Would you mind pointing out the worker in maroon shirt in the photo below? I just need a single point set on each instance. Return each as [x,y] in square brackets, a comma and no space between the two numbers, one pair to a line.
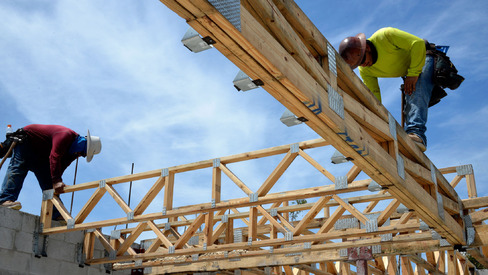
[46,150]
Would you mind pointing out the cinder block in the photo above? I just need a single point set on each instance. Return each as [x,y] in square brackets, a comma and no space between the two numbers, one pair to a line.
[45,265]
[61,250]
[7,237]
[12,262]
[74,237]
[72,269]
[11,219]
[29,222]
[23,242]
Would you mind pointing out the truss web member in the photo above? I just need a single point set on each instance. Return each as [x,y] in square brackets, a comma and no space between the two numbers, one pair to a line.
[391,52]
[45,150]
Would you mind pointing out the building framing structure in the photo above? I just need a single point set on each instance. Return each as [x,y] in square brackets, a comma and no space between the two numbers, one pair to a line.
[278,47]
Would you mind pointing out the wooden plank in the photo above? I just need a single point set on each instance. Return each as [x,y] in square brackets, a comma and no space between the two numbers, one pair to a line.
[235,179]
[209,226]
[390,209]
[253,223]
[271,219]
[118,199]
[132,238]
[216,184]
[89,245]
[61,208]
[310,215]
[190,231]
[46,214]
[356,213]
[150,195]
[169,182]
[91,203]
[167,243]
[276,174]
[317,166]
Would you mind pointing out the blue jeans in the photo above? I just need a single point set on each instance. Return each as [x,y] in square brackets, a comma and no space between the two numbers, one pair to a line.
[417,104]
[24,160]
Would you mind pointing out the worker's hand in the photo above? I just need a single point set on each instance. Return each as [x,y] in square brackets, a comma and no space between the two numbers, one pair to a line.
[409,84]
[59,187]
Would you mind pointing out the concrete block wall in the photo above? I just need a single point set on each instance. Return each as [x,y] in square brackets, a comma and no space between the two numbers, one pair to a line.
[18,246]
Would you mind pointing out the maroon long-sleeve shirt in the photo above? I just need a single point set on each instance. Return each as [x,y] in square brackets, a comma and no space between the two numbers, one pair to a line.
[52,143]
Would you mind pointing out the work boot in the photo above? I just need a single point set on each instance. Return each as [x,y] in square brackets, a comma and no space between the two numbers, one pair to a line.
[12,205]
[418,141]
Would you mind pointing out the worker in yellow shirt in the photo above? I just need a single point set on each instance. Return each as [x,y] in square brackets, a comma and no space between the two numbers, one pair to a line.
[391,52]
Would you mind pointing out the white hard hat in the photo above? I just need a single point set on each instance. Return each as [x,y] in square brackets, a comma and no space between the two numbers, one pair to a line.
[93,146]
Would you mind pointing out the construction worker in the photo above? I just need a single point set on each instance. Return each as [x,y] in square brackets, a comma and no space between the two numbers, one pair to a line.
[391,52]
[46,150]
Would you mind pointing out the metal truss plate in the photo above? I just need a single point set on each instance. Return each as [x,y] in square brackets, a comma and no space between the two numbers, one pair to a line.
[238,236]
[340,182]
[47,194]
[130,215]
[288,236]
[138,263]
[115,234]
[336,102]
[163,212]
[432,173]
[230,9]
[101,183]
[393,126]
[400,167]
[216,163]
[346,223]
[332,59]
[387,237]
[164,172]
[193,240]
[294,148]
[376,249]
[464,170]
[440,206]
[253,197]
[70,223]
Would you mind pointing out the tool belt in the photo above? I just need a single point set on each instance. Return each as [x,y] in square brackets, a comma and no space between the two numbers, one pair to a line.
[445,73]
[20,136]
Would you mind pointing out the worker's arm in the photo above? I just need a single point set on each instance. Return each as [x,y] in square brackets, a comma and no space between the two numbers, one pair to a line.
[372,84]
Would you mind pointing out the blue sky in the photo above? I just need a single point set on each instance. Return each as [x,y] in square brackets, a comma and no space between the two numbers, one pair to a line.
[119,69]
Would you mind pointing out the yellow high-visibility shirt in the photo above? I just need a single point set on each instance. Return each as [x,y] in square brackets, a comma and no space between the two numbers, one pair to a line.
[399,54]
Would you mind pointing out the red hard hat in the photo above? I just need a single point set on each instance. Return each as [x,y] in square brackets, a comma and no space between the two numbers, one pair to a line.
[352,49]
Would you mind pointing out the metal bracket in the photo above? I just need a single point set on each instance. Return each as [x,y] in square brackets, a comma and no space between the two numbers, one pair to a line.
[101,184]
[115,234]
[230,9]
[464,170]
[130,215]
[440,206]
[171,249]
[432,173]
[340,182]
[80,256]
[249,241]
[167,226]
[400,166]
[393,126]
[47,194]
[294,148]
[38,248]
[213,203]
[225,218]
[288,236]
[164,172]
[336,102]
[253,197]
[70,223]
[273,212]
[164,210]
[216,163]
[332,59]
[372,225]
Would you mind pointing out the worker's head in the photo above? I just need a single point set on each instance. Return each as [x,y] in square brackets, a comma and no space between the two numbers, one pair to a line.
[93,146]
[352,50]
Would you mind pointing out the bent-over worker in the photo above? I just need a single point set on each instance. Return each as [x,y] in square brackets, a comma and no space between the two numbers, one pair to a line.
[46,150]
[391,52]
